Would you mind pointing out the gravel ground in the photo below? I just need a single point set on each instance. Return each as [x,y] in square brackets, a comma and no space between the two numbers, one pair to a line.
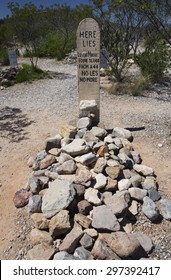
[42,107]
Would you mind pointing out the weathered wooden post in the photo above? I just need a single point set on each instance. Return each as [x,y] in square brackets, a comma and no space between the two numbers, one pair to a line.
[88,53]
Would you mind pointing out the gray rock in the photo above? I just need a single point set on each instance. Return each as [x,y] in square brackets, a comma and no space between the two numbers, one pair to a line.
[112,185]
[84,123]
[82,254]
[88,105]
[135,181]
[118,203]
[93,196]
[153,194]
[165,208]
[71,240]
[47,161]
[145,241]
[84,207]
[68,167]
[34,184]
[80,190]
[98,132]
[100,165]
[41,252]
[101,251]
[54,142]
[134,207]
[83,176]
[137,193]
[68,131]
[90,137]
[149,208]
[58,197]
[136,157]
[76,147]
[114,148]
[91,232]
[122,133]
[35,204]
[101,181]
[80,133]
[39,157]
[86,241]
[123,184]
[64,157]
[143,169]
[64,256]
[59,224]
[125,160]
[104,219]
[150,182]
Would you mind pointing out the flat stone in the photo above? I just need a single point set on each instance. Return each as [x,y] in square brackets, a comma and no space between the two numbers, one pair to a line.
[91,232]
[71,240]
[123,244]
[113,172]
[86,241]
[39,236]
[59,224]
[76,147]
[145,241]
[41,252]
[93,196]
[101,251]
[82,254]
[40,221]
[68,131]
[165,208]
[101,181]
[112,163]
[137,193]
[118,202]
[35,204]
[123,184]
[143,169]
[82,220]
[64,256]
[112,185]
[47,161]
[100,165]
[98,132]
[122,133]
[84,207]
[104,219]
[68,167]
[84,123]
[86,159]
[150,209]
[21,198]
[58,197]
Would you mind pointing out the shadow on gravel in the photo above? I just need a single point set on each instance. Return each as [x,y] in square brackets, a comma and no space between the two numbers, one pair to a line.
[12,124]
[60,76]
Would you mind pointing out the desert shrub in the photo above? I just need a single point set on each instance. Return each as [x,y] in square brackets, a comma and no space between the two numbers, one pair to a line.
[153,61]
[29,73]
[4,58]
[55,45]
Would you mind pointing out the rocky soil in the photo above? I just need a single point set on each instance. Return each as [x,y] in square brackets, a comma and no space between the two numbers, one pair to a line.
[29,113]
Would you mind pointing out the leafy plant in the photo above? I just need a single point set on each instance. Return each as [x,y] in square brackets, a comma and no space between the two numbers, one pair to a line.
[4,58]
[30,73]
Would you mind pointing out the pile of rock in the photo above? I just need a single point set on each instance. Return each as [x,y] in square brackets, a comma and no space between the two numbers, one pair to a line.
[7,76]
[86,186]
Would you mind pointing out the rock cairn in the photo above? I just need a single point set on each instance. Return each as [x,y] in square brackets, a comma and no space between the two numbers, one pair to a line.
[86,185]
[7,76]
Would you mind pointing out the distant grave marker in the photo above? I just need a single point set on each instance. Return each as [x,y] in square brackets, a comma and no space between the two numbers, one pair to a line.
[12,58]
[88,52]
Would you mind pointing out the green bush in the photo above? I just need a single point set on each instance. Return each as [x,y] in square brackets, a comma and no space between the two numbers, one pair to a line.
[153,61]
[29,73]
[4,58]
[55,45]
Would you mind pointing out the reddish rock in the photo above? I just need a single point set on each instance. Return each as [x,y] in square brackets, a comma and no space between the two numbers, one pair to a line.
[21,198]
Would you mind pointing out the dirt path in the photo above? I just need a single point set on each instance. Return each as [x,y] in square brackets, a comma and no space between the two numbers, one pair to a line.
[17,146]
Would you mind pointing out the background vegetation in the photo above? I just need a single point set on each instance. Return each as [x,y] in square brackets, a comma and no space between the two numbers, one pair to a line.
[131,31]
